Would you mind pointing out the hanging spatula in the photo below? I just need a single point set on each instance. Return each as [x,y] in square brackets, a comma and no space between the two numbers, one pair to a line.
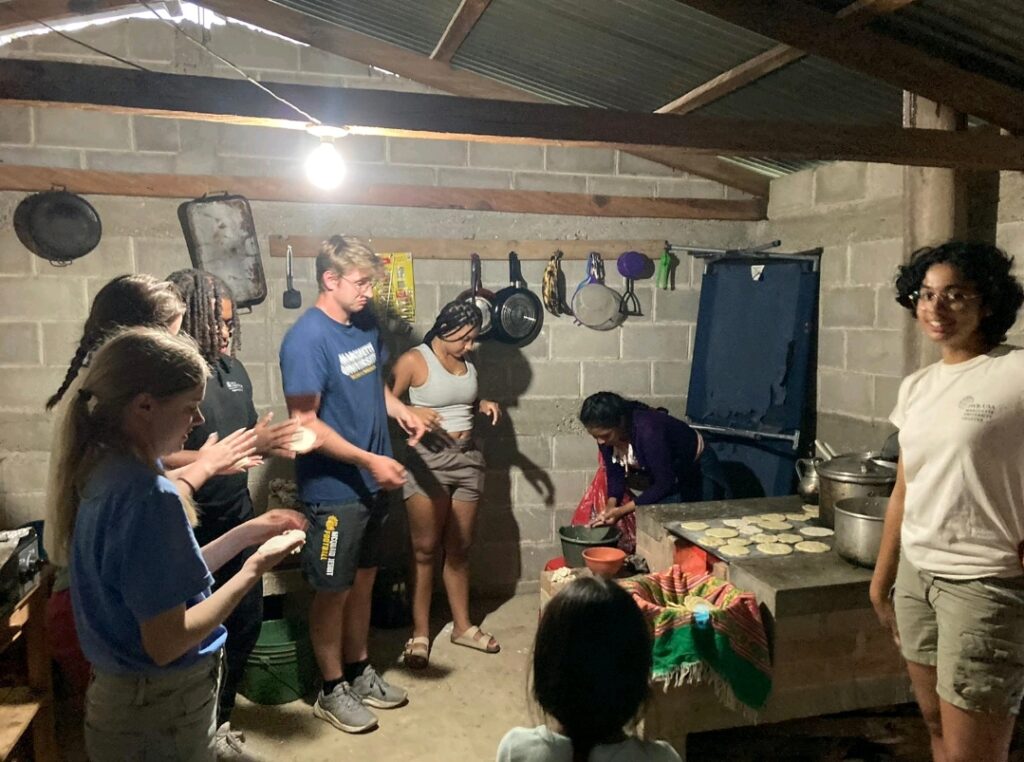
[292,296]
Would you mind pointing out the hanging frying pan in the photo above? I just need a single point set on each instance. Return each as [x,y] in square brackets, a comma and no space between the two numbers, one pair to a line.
[518,313]
[57,225]
[480,296]
[596,305]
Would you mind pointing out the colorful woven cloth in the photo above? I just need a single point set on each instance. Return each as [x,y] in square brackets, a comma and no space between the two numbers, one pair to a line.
[730,650]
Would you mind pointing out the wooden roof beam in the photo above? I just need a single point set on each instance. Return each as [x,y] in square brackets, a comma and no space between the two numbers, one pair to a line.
[19,13]
[855,14]
[420,115]
[355,46]
[805,27]
[459,27]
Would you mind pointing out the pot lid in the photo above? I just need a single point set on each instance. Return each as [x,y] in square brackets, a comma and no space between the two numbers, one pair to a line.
[858,468]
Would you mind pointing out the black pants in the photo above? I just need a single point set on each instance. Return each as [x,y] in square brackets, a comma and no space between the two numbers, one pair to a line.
[243,630]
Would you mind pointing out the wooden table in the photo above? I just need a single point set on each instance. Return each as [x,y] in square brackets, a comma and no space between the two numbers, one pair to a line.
[30,704]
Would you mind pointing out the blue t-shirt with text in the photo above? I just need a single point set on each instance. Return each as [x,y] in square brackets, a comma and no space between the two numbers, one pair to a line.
[133,556]
[343,365]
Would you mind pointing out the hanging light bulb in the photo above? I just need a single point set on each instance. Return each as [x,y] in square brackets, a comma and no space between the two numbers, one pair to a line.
[325,167]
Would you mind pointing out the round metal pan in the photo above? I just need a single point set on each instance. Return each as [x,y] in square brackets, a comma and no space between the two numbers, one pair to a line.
[57,225]
[518,313]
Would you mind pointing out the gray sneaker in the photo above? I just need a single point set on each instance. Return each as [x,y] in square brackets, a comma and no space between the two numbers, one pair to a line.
[373,690]
[343,709]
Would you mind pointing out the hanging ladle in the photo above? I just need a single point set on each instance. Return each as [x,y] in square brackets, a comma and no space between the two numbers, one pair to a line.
[292,296]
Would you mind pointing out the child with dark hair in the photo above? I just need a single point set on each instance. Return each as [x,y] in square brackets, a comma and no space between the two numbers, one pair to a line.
[224,501]
[445,471]
[948,581]
[591,667]
[657,457]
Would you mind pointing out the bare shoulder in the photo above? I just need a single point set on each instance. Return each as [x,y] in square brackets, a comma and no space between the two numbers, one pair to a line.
[412,366]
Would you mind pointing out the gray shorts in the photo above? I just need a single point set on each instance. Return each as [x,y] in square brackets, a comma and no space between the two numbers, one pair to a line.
[971,631]
[165,717]
[341,538]
[439,467]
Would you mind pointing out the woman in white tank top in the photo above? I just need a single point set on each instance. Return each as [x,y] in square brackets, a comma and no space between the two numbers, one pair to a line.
[445,471]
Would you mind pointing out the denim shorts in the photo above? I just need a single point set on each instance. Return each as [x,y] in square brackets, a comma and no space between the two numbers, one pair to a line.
[165,717]
[971,631]
[340,538]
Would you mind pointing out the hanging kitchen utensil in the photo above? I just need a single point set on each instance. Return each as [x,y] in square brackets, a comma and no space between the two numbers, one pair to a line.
[221,239]
[553,290]
[480,296]
[57,225]
[632,265]
[663,277]
[517,314]
[292,296]
[594,304]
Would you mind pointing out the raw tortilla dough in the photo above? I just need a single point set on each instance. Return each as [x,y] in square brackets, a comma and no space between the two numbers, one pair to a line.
[808,546]
[788,537]
[816,532]
[303,440]
[733,550]
[775,526]
[723,532]
[739,541]
[797,517]
[735,523]
[770,517]
[763,537]
[749,529]
[775,548]
[811,511]
[693,526]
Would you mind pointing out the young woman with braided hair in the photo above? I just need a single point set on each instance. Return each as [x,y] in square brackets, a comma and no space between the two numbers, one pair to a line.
[224,502]
[127,301]
[445,472]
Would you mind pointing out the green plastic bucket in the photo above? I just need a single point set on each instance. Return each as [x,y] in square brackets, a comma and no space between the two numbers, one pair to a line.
[281,667]
[576,539]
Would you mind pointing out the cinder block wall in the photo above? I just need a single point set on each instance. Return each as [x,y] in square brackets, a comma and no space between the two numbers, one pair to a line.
[855,211]
[540,460]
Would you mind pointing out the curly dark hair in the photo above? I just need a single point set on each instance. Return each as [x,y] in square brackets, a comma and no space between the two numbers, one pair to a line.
[594,691]
[203,292]
[986,267]
[127,301]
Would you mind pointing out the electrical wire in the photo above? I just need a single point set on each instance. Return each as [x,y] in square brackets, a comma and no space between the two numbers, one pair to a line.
[228,63]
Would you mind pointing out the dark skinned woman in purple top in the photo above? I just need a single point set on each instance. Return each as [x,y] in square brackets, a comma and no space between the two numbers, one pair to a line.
[648,452]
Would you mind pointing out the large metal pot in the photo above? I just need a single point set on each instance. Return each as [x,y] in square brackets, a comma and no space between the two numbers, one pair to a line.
[857,474]
[859,523]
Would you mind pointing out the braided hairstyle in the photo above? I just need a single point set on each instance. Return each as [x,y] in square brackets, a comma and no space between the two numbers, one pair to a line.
[203,293]
[125,302]
[451,318]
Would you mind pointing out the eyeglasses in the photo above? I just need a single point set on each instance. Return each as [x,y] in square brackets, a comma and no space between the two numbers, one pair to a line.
[364,284]
[953,298]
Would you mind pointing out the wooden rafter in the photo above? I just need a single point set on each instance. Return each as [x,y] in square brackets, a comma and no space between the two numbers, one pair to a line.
[854,14]
[89,182]
[17,13]
[354,46]
[461,24]
[420,115]
[803,26]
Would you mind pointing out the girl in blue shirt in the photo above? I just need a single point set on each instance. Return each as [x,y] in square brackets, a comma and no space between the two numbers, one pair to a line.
[139,581]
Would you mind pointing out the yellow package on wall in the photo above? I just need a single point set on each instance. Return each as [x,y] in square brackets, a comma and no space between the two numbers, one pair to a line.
[396,291]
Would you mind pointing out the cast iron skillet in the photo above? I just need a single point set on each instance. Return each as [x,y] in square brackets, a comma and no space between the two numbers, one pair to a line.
[479,296]
[57,225]
[518,312]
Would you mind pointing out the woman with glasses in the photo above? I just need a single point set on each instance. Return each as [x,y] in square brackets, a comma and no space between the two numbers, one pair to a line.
[445,471]
[949,581]
[224,501]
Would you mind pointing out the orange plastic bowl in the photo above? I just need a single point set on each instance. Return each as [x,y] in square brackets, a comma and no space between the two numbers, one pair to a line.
[604,562]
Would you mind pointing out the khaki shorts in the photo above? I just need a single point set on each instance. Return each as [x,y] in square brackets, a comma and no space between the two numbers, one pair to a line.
[971,631]
[438,468]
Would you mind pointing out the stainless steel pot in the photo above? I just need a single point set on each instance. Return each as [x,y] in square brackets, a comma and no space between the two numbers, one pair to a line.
[858,528]
[857,474]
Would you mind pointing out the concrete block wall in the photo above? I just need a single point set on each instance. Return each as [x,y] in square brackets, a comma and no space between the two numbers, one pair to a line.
[539,458]
[855,211]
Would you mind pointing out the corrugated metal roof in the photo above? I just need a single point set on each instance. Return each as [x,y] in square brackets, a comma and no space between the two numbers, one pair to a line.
[984,36]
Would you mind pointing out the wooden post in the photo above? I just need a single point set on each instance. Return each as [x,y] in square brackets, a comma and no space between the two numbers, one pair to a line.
[941,205]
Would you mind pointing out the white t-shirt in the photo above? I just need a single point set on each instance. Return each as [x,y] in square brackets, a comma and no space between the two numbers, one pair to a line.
[540,744]
[962,446]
